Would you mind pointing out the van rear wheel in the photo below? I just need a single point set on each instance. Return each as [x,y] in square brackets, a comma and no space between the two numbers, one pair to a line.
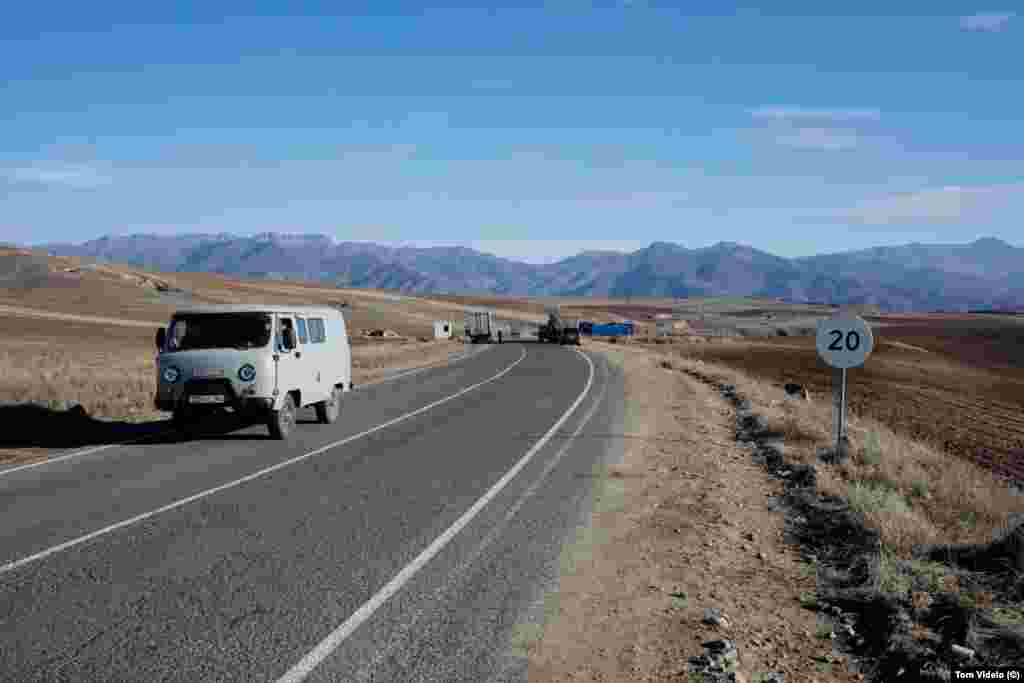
[282,422]
[327,411]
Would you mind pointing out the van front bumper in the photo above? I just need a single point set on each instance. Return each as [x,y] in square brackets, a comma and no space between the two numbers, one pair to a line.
[171,401]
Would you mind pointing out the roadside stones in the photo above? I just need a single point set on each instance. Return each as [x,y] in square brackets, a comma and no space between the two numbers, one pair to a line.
[714,617]
[797,391]
[962,652]
[833,456]
[803,476]
[1005,551]
[771,455]
[1011,546]
[717,664]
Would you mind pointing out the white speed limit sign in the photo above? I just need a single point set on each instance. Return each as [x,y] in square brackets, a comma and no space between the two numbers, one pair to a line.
[844,341]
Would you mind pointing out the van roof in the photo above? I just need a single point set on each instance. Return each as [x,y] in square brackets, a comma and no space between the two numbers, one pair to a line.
[255,308]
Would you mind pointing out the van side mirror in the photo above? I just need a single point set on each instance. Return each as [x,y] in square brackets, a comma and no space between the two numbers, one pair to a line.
[289,339]
[161,337]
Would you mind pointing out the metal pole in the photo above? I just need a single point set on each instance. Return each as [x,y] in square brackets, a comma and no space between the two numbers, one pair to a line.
[842,411]
[839,408]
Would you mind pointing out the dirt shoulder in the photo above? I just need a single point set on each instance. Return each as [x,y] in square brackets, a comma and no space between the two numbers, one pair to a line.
[688,529]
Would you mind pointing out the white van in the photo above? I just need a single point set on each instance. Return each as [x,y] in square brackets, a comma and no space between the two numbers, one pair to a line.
[264,362]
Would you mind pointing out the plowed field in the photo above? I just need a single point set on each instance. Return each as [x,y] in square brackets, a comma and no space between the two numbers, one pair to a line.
[954,382]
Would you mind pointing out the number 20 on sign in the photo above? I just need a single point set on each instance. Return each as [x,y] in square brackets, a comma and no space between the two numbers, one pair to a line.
[843,342]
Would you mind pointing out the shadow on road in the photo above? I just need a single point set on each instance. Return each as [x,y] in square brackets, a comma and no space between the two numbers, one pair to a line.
[35,426]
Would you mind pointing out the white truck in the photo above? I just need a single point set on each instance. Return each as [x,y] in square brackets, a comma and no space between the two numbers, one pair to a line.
[263,362]
[481,326]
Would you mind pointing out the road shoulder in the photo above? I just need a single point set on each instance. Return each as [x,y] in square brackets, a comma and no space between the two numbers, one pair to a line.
[679,526]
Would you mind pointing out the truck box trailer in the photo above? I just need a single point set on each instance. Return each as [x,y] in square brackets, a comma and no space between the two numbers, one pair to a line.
[481,326]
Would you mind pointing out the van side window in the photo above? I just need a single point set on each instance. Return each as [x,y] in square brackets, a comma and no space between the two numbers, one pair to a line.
[316,330]
[278,336]
[303,337]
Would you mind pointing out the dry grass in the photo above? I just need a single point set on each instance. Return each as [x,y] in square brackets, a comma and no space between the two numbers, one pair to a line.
[86,335]
[107,383]
[981,405]
[912,493]
[110,369]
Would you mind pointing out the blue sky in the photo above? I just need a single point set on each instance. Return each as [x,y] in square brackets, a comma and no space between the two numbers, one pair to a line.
[533,131]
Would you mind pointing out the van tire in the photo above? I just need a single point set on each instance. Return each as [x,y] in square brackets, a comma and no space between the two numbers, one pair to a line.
[183,421]
[282,422]
[327,411]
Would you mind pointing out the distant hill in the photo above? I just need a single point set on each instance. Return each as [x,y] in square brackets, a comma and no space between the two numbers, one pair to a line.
[985,274]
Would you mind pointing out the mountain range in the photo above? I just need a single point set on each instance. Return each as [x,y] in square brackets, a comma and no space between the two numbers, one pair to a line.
[985,274]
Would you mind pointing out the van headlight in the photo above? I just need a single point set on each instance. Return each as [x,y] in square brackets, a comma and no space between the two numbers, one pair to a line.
[171,374]
[247,373]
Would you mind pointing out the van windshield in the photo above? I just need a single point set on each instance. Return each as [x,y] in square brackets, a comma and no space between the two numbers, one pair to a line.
[219,331]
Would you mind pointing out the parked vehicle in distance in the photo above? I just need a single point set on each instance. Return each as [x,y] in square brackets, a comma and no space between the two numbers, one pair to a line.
[559,330]
[481,326]
[550,332]
[570,332]
[263,362]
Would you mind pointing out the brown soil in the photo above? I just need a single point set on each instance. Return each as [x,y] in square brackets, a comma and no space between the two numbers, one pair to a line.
[683,514]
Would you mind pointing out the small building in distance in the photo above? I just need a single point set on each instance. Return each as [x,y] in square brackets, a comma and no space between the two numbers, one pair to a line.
[444,329]
[667,325]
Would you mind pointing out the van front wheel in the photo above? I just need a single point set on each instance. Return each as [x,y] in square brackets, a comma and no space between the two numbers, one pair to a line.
[327,411]
[183,421]
[282,421]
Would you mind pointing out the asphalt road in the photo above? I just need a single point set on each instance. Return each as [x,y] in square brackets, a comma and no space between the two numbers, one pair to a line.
[404,543]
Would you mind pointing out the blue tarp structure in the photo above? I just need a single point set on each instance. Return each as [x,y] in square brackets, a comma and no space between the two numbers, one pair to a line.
[612,330]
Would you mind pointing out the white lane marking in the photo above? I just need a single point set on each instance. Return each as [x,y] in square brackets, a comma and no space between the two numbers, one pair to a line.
[11,566]
[76,454]
[366,674]
[450,361]
[329,644]
[103,447]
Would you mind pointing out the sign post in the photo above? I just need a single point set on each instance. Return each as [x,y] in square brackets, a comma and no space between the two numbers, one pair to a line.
[839,406]
[843,342]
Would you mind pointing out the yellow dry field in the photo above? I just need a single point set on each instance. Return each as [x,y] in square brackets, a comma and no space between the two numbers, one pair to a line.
[85,334]
[110,370]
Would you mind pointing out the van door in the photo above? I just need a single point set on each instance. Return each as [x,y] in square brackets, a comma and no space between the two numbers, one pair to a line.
[311,359]
[292,368]
[332,341]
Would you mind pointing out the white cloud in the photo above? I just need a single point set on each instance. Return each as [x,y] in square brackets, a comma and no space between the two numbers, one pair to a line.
[934,205]
[986,21]
[824,139]
[799,113]
[77,176]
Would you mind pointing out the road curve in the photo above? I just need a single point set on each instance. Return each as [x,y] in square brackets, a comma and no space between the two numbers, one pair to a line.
[402,543]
